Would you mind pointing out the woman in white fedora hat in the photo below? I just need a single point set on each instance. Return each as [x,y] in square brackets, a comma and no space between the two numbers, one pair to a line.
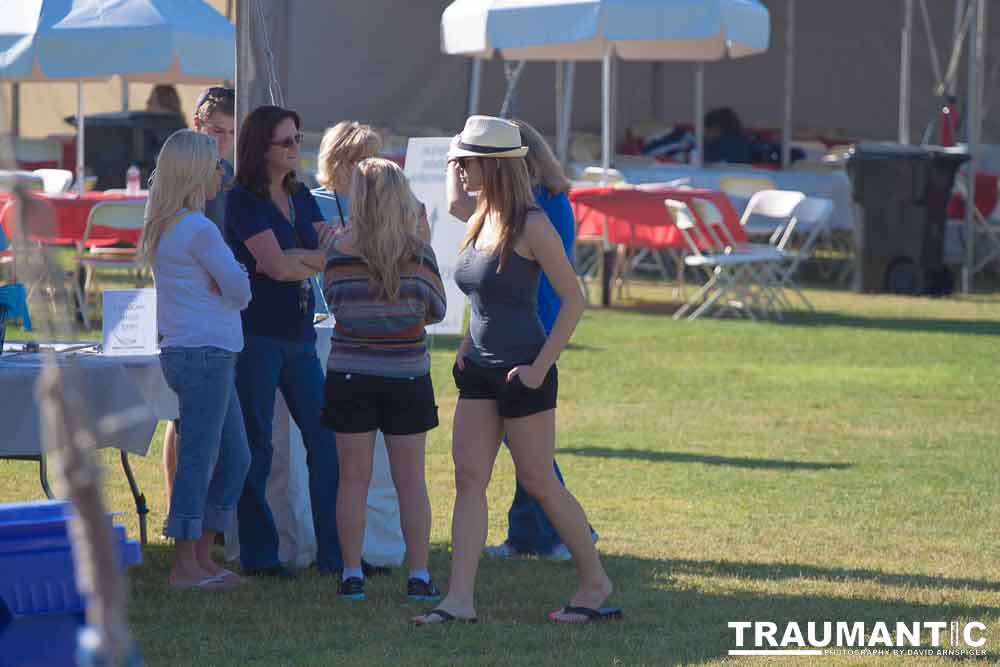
[505,367]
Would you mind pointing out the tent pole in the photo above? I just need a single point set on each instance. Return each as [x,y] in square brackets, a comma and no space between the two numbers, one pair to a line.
[975,52]
[124,95]
[956,34]
[244,40]
[475,85]
[606,113]
[699,114]
[786,131]
[80,172]
[15,109]
[569,78]
[905,69]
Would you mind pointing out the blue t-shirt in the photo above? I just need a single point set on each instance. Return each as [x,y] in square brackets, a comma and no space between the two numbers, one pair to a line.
[274,310]
[215,209]
[560,213]
[328,205]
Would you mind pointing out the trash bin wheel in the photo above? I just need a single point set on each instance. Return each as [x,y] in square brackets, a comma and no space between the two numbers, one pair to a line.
[904,277]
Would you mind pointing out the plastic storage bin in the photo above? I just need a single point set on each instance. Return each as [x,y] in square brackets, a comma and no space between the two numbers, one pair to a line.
[41,610]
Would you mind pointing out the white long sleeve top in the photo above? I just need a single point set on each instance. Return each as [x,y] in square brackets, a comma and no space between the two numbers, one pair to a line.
[191,256]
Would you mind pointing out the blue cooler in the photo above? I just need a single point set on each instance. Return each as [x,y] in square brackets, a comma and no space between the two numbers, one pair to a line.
[41,610]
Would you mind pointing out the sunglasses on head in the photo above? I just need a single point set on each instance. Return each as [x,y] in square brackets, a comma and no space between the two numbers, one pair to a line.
[220,92]
[288,142]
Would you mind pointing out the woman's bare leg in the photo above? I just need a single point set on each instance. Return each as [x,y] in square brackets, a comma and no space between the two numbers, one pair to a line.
[532,445]
[354,452]
[475,442]
[406,461]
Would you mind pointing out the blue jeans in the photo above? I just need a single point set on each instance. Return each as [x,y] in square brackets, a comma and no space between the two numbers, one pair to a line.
[212,453]
[265,365]
[528,529]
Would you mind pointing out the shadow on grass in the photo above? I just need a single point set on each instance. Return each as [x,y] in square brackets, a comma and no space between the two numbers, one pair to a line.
[707,459]
[967,327]
[666,622]
[777,571]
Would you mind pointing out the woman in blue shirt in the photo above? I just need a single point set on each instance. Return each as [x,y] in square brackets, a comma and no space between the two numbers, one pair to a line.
[277,232]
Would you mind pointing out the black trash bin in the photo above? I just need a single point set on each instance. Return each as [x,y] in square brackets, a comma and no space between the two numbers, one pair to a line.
[902,193]
[115,141]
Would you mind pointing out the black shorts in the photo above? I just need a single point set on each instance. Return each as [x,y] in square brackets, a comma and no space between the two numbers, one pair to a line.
[358,403]
[513,398]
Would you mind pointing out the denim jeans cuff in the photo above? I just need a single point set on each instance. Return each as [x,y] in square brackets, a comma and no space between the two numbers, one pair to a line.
[218,519]
[183,527]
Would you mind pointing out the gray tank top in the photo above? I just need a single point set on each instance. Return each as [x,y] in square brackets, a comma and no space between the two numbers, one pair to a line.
[505,328]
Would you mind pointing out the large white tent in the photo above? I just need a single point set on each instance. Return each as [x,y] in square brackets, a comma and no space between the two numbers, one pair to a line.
[561,30]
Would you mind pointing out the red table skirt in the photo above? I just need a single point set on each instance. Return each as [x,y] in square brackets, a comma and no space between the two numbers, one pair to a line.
[68,220]
[638,217]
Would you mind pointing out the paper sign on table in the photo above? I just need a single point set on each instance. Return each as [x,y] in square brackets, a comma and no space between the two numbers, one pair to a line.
[425,169]
[129,322]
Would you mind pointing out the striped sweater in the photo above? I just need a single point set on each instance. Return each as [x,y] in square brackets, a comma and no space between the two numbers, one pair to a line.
[373,336]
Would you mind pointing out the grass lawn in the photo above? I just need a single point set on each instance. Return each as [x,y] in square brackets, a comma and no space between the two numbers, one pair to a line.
[840,466]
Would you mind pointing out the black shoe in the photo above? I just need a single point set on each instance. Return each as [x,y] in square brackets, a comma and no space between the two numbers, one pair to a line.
[351,588]
[374,570]
[418,590]
[275,571]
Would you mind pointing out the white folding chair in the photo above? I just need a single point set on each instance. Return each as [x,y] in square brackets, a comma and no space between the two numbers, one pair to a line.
[760,270]
[768,211]
[809,221]
[725,280]
[124,215]
[55,181]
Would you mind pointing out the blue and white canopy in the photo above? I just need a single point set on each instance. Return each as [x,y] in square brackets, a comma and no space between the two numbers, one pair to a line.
[687,30]
[166,41]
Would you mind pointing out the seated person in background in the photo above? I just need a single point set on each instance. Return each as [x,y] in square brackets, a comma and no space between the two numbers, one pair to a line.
[724,138]
[164,99]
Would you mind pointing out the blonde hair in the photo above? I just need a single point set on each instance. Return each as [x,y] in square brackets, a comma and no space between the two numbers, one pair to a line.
[186,161]
[543,166]
[384,220]
[507,195]
[343,146]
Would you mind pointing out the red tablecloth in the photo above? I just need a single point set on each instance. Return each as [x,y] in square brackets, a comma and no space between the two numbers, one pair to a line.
[69,219]
[637,217]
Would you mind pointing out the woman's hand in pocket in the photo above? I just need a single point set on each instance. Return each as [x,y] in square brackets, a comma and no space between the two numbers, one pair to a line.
[531,377]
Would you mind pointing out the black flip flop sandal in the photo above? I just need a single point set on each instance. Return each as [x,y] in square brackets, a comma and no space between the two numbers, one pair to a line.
[447,618]
[592,615]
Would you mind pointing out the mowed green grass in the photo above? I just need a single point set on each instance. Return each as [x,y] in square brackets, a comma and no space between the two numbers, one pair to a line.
[841,465]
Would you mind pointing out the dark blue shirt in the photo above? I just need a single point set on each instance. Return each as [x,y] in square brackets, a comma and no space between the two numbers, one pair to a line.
[560,213]
[215,208]
[732,148]
[274,310]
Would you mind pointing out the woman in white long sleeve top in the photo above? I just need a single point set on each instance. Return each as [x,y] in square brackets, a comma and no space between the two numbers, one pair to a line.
[200,291]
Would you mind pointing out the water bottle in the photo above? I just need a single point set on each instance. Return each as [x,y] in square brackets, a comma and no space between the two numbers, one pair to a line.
[132,177]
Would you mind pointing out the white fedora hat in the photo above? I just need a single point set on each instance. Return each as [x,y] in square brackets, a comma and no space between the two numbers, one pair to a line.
[488,136]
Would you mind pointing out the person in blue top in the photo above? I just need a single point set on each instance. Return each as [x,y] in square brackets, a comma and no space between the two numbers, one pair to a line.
[529,530]
[277,231]
[343,147]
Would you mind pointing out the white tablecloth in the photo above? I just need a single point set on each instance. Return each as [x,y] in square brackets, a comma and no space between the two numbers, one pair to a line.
[113,385]
[833,185]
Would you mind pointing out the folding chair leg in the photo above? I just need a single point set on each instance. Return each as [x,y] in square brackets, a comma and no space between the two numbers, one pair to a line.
[690,303]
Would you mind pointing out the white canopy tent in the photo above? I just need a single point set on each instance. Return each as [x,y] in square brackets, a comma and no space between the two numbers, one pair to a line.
[571,30]
[157,41]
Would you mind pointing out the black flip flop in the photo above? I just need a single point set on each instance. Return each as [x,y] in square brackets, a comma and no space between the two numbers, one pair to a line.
[592,615]
[447,618]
